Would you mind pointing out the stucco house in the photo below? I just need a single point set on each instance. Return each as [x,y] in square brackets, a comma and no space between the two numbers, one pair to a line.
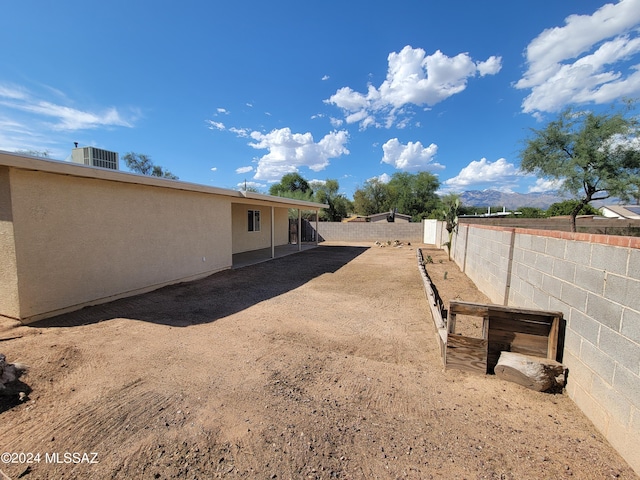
[73,235]
[385,217]
[621,211]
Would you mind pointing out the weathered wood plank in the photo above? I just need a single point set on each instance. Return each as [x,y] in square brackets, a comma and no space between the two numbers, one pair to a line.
[442,341]
[466,308]
[521,341]
[554,333]
[515,324]
[503,308]
[465,353]
[451,322]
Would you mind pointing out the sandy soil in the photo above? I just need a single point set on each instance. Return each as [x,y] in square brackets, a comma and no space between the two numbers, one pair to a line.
[322,364]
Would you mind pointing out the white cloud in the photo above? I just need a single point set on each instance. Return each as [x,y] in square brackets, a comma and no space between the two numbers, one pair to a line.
[17,136]
[241,132]
[411,157]
[498,175]
[244,169]
[222,111]
[215,125]
[543,185]
[30,120]
[489,67]
[413,78]
[15,93]
[336,122]
[326,77]
[384,178]
[64,117]
[256,185]
[67,118]
[584,61]
[213,169]
[289,151]
[424,80]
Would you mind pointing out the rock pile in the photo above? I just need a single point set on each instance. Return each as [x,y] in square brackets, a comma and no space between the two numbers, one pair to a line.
[9,375]
[389,243]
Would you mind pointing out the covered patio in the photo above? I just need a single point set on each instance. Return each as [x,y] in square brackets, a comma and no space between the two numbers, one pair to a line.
[252,257]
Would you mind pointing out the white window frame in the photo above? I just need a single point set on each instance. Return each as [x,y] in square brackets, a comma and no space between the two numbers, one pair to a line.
[253,220]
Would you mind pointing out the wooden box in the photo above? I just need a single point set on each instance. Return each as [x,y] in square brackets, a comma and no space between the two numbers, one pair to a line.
[512,329]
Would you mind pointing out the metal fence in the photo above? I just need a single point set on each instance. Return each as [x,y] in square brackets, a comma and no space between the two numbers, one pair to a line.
[307,233]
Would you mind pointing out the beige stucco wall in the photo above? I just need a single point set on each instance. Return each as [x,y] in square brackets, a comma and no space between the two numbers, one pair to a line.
[244,241]
[72,235]
[83,240]
[281,226]
[8,272]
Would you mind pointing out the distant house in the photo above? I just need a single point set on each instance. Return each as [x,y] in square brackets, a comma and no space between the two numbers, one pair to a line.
[380,217]
[389,217]
[631,212]
[72,235]
[355,218]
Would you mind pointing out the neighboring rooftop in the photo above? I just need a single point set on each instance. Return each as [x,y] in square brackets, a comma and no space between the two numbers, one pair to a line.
[621,211]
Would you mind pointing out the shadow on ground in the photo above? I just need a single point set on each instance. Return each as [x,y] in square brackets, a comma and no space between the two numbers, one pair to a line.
[10,395]
[218,295]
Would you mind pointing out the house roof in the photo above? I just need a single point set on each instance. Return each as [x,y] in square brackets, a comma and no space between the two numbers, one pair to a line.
[386,214]
[26,162]
[622,211]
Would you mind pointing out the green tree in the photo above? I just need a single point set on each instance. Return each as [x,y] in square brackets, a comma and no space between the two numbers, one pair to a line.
[410,194]
[372,198]
[450,213]
[328,192]
[466,210]
[567,207]
[141,163]
[531,212]
[413,194]
[292,185]
[595,156]
[34,153]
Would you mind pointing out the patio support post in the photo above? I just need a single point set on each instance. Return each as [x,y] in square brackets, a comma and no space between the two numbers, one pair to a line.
[273,233]
[317,215]
[299,229]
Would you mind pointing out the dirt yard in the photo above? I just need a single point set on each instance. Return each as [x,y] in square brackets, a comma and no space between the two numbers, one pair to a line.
[322,364]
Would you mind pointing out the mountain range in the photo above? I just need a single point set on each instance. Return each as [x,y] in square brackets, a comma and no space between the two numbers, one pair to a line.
[510,200]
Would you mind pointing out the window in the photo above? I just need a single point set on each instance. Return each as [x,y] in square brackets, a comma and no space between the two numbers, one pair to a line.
[253,217]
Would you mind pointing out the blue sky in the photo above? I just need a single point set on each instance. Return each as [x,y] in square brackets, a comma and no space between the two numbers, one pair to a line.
[220,93]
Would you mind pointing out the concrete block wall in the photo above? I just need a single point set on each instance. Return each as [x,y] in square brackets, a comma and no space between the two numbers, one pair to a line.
[459,240]
[595,281]
[484,254]
[370,231]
